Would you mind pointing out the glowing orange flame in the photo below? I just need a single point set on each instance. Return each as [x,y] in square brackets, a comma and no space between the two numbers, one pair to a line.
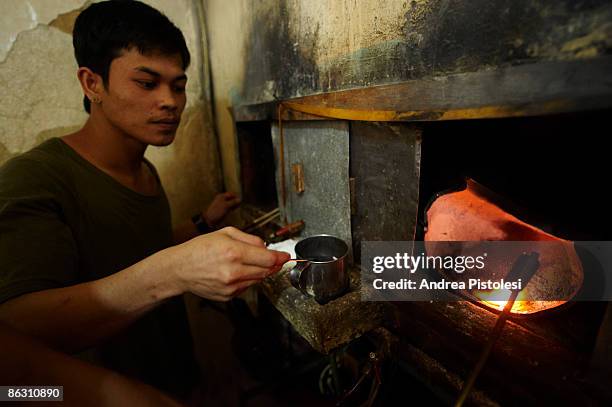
[493,299]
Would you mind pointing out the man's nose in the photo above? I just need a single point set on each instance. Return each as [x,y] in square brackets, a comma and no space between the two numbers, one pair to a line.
[168,99]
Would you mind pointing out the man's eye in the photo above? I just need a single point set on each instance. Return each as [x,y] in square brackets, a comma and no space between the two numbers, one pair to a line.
[146,84]
[179,89]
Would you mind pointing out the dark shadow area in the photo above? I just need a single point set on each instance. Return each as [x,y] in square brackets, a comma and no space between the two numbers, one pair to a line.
[550,171]
[257,164]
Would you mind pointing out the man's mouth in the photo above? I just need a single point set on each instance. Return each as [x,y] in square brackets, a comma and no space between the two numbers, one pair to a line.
[166,121]
[169,123]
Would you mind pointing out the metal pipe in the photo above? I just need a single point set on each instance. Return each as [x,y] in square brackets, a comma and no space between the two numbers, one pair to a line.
[524,267]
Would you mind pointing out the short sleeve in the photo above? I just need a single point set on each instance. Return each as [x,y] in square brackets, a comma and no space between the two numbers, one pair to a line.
[37,249]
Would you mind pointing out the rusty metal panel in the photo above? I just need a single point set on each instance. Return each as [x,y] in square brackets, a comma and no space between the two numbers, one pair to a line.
[322,199]
[385,163]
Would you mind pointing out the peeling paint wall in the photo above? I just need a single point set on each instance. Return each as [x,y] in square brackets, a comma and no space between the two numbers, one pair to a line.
[279,49]
[19,16]
[41,97]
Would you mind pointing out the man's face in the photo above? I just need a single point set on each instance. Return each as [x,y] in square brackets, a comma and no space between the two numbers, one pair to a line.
[145,96]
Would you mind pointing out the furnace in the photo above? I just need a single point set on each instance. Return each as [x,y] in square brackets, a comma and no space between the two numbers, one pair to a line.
[526,179]
[386,165]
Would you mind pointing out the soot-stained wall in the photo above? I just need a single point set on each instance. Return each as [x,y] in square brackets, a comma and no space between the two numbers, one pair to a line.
[280,49]
[296,48]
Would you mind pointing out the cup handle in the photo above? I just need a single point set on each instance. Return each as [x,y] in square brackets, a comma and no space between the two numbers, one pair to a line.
[295,275]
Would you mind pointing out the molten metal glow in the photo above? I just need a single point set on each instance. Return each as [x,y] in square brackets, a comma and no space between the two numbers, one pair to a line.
[493,299]
[470,216]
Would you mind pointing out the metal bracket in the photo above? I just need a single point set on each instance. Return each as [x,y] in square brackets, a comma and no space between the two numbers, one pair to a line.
[352,196]
[298,177]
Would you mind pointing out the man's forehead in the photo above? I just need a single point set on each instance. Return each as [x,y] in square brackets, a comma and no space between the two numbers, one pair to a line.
[165,65]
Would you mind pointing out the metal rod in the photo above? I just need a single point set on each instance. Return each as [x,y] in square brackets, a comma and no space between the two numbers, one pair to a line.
[524,267]
[262,217]
[281,157]
[484,355]
[262,220]
[262,223]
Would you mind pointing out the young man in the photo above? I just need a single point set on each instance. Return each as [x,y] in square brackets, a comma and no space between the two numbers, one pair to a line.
[86,246]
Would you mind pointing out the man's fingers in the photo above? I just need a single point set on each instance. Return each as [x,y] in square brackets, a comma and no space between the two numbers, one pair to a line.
[243,237]
[281,258]
[228,195]
[231,200]
[253,273]
[258,256]
[234,202]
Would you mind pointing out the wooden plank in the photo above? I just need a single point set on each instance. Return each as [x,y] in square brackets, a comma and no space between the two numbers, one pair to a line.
[525,90]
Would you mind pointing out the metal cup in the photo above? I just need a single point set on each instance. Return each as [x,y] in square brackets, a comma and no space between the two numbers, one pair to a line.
[324,275]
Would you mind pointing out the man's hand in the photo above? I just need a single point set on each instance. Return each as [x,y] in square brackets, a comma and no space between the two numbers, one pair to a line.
[220,207]
[222,264]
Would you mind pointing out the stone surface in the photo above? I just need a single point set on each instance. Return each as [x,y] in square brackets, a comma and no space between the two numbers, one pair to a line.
[326,327]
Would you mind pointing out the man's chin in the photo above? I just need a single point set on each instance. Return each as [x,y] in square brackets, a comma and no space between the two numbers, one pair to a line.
[163,139]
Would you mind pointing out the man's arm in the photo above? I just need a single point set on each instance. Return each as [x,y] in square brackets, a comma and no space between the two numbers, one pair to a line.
[25,362]
[217,266]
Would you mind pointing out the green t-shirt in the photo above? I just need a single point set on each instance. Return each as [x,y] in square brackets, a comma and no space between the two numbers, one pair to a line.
[63,221]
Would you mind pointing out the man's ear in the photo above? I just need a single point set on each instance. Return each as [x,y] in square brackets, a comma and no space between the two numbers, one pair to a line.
[91,83]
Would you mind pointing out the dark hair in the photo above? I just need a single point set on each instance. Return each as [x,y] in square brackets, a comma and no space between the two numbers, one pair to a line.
[103,30]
